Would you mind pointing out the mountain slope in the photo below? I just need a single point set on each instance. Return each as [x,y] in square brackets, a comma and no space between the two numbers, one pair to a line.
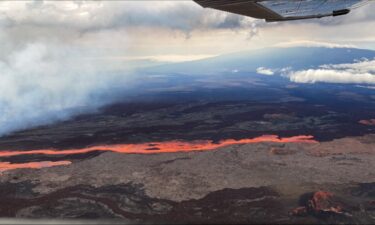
[275,58]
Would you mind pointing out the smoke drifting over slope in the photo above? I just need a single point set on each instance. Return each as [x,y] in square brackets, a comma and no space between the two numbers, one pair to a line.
[43,83]
[56,57]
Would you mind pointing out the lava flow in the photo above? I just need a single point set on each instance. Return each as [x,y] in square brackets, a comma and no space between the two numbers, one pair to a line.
[4,166]
[370,122]
[150,148]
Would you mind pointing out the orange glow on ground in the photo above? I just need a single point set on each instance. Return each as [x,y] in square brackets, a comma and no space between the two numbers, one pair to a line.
[4,166]
[146,148]
[163,147]
[370,122]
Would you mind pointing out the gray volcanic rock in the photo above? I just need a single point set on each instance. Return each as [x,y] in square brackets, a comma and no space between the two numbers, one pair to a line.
[198,187]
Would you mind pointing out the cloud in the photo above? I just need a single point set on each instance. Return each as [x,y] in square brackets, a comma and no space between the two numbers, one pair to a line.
[361,72]
[152,27]
[363,66]
[265,71]
[97,15]
[331,76]
[368,87]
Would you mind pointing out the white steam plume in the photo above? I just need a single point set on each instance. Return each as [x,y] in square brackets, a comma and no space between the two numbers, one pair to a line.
[42,83]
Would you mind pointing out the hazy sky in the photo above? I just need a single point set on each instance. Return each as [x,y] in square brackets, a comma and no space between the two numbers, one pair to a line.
[60,58]
[167,30]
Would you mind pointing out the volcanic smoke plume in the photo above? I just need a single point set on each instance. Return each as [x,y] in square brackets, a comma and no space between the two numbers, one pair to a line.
[44,83]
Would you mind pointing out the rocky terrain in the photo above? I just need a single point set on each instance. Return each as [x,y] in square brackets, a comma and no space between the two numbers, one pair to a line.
[257,154]
[248,183]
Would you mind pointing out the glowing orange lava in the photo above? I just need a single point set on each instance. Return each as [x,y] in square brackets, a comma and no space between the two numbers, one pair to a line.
[163,147]
[4,166]
[370,122]
[146,148]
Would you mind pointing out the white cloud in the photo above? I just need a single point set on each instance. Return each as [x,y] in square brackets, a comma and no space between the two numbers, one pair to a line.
[368,87]
[93,15]
[265,71]
[331,76]
[362,72]
[364,66]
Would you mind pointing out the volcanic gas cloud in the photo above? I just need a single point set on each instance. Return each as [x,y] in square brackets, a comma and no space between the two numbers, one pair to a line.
[145,148]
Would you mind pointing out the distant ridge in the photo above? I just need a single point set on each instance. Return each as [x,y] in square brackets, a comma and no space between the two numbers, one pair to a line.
[275,58]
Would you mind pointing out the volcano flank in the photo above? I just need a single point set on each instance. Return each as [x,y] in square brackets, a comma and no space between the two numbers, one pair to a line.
[207,141]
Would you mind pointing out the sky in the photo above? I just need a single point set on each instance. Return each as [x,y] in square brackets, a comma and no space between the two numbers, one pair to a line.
[61,58]
[167,30]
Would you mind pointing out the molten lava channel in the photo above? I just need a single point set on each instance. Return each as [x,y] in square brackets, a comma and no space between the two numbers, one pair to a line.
[4,166]
[144,148]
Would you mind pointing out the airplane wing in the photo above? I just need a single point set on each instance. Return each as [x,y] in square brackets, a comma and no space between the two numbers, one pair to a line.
[283,10]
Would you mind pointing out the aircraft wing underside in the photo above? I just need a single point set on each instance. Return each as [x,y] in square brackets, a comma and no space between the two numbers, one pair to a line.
[282,10]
